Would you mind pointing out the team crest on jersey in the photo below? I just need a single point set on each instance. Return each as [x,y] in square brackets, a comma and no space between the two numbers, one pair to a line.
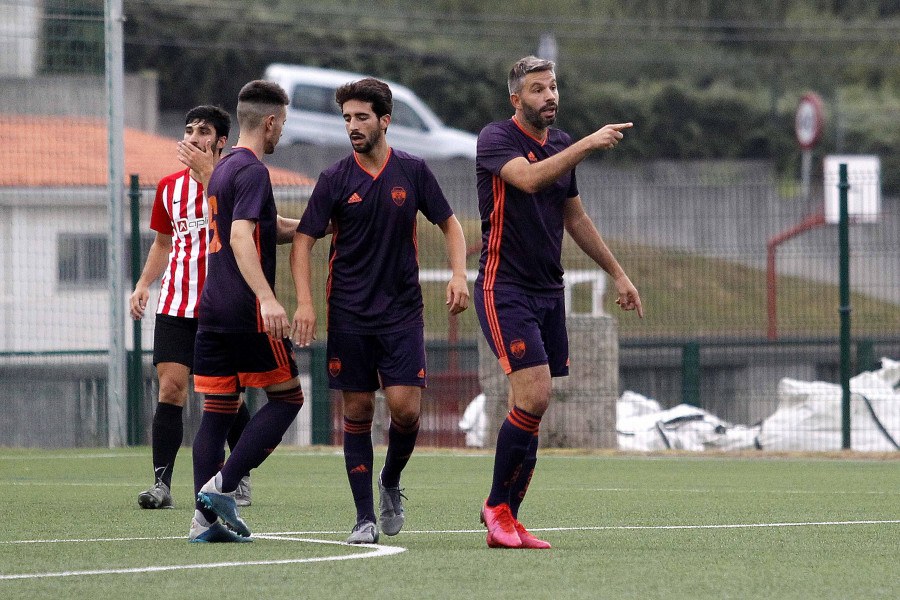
[517,347]
[334,366]
[398,195]
[186,225]
[532,157]
[354,198]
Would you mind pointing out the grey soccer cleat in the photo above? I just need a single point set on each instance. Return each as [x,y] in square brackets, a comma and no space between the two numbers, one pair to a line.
[391,508]
[159,496]
[224,505]
[214,534]
[242,494]
[365,532]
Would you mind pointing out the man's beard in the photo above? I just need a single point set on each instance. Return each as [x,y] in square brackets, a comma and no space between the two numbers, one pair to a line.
[369,144]
[535,119]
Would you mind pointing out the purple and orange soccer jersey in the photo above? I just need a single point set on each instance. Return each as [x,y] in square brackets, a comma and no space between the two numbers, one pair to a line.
[373,282]
[239,189]
[521,233]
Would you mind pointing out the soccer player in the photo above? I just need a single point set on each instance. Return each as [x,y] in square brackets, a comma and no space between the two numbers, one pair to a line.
[178,254]
[375,322]
[527,195]
[241,338]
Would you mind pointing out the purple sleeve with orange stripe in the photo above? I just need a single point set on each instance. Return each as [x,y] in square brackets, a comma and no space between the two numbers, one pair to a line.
[317,215]
[434,204]
[496,147]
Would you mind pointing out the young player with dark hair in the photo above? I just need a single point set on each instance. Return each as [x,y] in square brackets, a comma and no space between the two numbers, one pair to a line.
[180,217]
[242,335]
[528,196]
[375,322]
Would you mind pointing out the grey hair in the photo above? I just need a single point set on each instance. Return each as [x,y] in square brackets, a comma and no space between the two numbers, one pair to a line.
[524,66]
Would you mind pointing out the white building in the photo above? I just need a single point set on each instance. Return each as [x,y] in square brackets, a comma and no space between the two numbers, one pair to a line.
[53,234]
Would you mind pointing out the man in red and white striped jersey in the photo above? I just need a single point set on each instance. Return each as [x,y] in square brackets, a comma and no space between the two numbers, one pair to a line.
[180,219]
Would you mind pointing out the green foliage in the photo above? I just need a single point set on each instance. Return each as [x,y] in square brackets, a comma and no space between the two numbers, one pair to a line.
[699,79]
[74,36]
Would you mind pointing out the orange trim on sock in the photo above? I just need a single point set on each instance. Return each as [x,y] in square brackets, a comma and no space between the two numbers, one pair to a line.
[357,427]
[223,405]
[523,420]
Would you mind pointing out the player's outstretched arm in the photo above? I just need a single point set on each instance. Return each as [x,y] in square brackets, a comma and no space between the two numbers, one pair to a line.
[585,234]
[157,261]
[457,288]
[534,177]
[286,230]
[303,327]
[273,314]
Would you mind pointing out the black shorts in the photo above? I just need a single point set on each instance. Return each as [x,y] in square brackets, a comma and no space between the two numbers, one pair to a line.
[360,362]
[173,340]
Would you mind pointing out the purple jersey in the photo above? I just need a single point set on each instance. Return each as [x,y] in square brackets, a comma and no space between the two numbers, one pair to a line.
[521,233]
[239,189]
[373,281]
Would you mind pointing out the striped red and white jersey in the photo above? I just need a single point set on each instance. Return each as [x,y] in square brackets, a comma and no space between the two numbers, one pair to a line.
[181,210]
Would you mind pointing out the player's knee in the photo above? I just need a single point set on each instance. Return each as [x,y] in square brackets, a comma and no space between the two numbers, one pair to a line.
[405,417]
[534,400]
[534,405]
[172,391]
[359,406]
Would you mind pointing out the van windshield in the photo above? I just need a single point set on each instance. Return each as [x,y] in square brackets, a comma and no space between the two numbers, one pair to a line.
[314,99]
[405,116]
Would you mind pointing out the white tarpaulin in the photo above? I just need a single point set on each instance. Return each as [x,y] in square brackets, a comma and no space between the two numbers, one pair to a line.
[808,416]
[641,424]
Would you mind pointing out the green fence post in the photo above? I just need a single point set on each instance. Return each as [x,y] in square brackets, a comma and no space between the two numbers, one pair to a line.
[135,358]
[321,396]
[690,373]
[844,309]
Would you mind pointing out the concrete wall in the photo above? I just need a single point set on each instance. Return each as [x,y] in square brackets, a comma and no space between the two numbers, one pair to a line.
[82,95]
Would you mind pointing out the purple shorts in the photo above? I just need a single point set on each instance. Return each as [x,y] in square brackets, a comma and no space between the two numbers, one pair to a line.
[524,331]
[225,363]
[363,362]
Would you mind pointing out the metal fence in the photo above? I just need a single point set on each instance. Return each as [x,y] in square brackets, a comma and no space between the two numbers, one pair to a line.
[695,244]
[737,271]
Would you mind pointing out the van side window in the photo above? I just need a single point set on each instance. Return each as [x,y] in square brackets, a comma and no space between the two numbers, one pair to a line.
[314,99]
[405,116]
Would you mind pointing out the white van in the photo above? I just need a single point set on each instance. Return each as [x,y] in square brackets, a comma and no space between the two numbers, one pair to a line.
[313,117]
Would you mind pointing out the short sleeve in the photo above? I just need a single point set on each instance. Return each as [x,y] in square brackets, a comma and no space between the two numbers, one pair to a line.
[252,189]
[160,219]
[317,215]
[434,204]
[496,148]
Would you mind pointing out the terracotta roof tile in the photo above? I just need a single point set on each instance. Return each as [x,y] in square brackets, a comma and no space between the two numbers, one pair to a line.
[64,151]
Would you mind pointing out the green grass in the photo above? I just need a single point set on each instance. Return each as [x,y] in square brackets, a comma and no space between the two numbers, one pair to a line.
[630,527]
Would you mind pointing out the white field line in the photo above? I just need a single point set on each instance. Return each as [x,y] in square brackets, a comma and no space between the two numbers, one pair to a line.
[732,491]
[376,550]
[371,551]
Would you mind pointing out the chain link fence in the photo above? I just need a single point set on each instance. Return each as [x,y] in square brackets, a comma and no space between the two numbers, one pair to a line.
[738,274]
